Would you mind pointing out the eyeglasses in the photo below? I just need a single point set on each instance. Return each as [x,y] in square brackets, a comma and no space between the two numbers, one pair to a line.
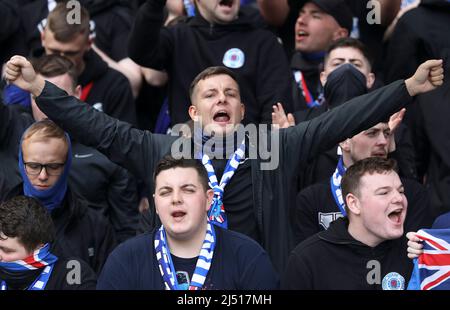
[50,169]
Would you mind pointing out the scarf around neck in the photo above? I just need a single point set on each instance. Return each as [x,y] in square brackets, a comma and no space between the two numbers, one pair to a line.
[51,198]
[167,268]
[41,259]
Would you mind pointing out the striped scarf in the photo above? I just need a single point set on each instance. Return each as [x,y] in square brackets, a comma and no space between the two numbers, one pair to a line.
[166,266]
[41,258]
[216,212]
[335,183]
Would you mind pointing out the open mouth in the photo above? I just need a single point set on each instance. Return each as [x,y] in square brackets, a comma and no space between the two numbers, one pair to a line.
[221,117]
[178,214]
[302,34]
[227,3]
[396,216]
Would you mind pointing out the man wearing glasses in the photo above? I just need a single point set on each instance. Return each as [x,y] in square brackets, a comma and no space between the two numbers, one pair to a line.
[45,159]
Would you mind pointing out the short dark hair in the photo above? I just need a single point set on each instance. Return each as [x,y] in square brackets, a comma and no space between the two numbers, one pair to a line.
[63,31]
[350,42]
[54,65]
[352,178]
[27,219]
[169,162]
[211,71]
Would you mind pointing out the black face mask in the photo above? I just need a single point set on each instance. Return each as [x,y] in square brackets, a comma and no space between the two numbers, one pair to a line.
[19,280]
[344,83]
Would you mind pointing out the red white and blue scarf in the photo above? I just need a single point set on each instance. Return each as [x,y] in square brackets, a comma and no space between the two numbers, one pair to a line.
[40,259]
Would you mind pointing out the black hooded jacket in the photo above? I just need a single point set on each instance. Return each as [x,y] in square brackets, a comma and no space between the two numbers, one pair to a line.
[111,90]
[190,47]
[420,34]
[334,260]
[316,208]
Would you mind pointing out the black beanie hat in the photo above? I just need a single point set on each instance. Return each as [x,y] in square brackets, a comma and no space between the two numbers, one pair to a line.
[336,8]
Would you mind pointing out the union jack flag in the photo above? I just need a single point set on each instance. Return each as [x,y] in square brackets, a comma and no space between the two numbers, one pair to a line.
[432,268]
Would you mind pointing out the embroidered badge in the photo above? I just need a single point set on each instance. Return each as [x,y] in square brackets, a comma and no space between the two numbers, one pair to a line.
[234,58]
[393,281]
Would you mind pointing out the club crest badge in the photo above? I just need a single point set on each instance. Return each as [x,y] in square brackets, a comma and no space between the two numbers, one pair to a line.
[234,58]
[393,281]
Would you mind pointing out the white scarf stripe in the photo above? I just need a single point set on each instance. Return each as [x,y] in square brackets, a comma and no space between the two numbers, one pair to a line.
[216,212]
[198,278]
[204,264]
[201,268]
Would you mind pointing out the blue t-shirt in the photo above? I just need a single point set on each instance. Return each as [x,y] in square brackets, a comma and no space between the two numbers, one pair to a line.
[238,263]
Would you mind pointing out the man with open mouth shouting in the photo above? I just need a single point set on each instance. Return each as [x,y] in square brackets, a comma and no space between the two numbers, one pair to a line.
[222,33]
[364,251]
[187,251]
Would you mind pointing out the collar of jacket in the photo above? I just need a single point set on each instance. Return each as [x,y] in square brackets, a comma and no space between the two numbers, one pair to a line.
[94,68]
[298,62]
[338,234]
[247,20]
[73,208]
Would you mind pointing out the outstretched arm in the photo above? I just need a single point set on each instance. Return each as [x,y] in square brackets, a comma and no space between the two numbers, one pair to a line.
[428,76]
[127,146]
[307,139]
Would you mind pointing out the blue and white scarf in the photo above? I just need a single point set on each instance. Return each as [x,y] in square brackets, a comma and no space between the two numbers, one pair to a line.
[216,212]
[41,258]
[335,182]
[167,268]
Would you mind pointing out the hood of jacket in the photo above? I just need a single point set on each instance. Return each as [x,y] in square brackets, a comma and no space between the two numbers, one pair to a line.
[73,208]
[248,19]
[338,234]
[94,68]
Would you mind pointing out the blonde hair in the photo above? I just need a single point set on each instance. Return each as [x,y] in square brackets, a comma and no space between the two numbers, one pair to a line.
[44,130]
